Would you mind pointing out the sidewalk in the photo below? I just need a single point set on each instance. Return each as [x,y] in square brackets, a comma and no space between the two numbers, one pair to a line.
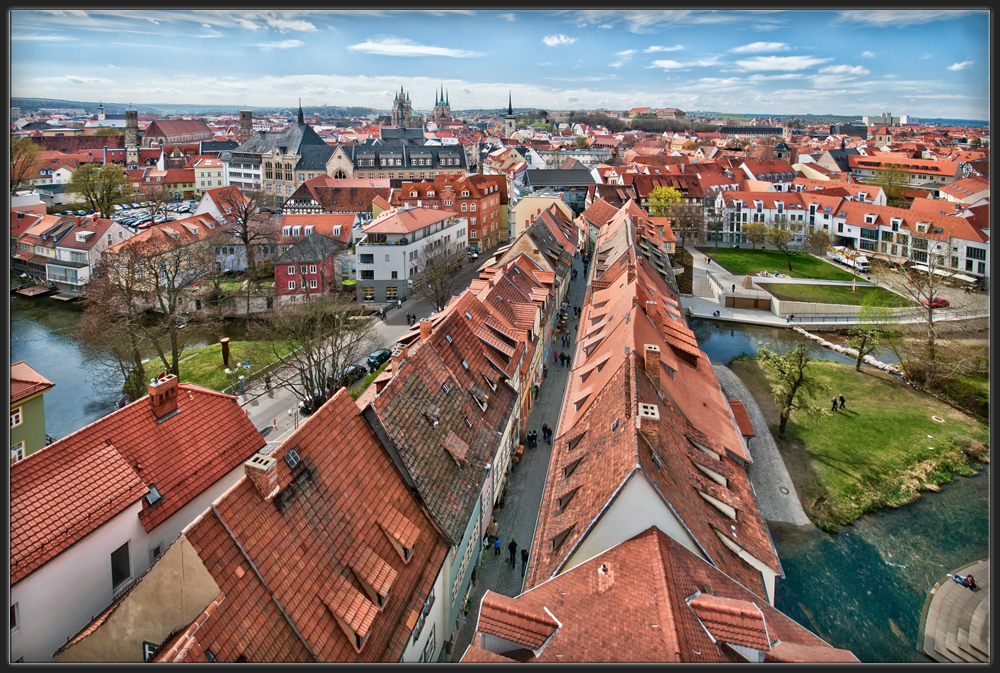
[519,514]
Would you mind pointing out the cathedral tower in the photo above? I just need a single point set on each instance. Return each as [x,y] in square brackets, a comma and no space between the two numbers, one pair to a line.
[246,125]
[131,137]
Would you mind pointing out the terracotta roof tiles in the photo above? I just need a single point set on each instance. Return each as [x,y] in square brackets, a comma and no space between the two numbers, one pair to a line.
[25,382]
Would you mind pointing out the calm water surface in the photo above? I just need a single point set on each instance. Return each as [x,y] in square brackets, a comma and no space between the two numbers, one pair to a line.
[863,588]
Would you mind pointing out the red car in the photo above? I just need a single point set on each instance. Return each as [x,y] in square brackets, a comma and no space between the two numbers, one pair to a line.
[937,302]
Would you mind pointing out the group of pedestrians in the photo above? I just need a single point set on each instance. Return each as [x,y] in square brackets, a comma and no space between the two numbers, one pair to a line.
[512,548]
[561,359]
[835,400]
[411,318]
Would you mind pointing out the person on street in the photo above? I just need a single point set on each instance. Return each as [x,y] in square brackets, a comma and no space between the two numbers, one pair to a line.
[834,401]
[512,547]
[524,560]
[841,398]
[399,303]
[496,546]
[267,381]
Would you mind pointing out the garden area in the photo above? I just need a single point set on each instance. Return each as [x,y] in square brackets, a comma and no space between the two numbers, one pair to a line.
[888,444]
[835,294]
[203,365]
[742,261]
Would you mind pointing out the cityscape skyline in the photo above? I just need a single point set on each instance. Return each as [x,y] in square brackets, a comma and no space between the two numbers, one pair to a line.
[919,63]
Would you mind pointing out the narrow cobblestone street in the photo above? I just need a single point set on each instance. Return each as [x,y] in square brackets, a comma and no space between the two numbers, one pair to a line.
[519,514]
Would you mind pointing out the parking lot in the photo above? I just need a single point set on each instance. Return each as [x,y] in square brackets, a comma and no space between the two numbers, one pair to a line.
[137,215]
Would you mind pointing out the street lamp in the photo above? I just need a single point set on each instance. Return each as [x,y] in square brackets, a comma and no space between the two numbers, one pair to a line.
[232,377]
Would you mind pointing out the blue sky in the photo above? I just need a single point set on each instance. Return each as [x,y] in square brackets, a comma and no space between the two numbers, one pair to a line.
[922,63]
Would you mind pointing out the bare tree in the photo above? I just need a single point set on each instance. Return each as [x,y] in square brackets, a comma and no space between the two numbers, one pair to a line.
[324,336]
[437,267]
[816,241]
[877,324]
[246,222]
[687,219]
[781,239]
[24,157]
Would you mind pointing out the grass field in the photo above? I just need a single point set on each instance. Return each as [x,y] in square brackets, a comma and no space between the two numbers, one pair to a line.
[203,365]
[834,294]
[742,261]
[881,450]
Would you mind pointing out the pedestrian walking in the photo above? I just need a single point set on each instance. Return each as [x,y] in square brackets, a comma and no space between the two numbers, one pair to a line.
[841,398]
[267,381]
[512,547]
[524,560]
[834,401]
[555,358]
[399,303]
[791,317]
[734,287]
[534,392]
[546,433]
[545,371]
[496,546]
[788,318]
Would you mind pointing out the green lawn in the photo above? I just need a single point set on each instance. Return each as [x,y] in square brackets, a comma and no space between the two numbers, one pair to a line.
[742,261]
[203,365]
[834,294]
[881,450]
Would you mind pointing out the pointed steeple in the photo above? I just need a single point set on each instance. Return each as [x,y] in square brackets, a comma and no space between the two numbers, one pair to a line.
[446,103]
[302,119]
[510,109]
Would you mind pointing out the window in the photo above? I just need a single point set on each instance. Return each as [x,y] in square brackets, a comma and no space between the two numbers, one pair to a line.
[291,269]
[464,207]
[472,207]
[391,293]
[312,284]
[424,611]
[15,417]
[17,452]
[291,285]
[312,268]
[368,293]
[14,614]
[395,275]
[387,258]
[367,259]
[431,647]
[121,570]
[975,253]
[367,274]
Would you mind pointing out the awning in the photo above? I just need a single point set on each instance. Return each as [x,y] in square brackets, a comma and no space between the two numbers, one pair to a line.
[963,277]
[920,267]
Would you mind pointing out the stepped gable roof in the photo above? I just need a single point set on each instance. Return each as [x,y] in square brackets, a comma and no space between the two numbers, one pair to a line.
[664,604]
[76,484]
[25,382]
[301,570]
[417,409]
[607,385]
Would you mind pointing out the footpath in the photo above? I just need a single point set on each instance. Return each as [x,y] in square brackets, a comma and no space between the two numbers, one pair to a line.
[519,515]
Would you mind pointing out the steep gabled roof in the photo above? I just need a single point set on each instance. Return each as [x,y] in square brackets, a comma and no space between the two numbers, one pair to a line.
[647,599]
[304,572]
[25,382]
[76,484]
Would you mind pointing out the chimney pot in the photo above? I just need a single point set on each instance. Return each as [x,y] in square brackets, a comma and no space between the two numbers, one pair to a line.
[163,395]
[651,362]
[425,329]
[648,422]
[262,470]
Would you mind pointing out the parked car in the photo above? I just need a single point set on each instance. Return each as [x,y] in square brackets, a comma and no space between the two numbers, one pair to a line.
[937,302]
[309,406]
[351,375]
[135,205]
[376,359]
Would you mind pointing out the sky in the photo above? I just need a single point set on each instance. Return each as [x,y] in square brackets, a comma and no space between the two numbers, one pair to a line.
[920,63]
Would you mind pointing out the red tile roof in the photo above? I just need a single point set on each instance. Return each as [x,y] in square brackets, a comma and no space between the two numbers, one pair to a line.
[288,566]
[405,221]
[25,382]
[742,420]
[68,489]
[648,599]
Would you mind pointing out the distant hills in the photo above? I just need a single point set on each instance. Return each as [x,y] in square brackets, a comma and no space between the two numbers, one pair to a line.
[29,105]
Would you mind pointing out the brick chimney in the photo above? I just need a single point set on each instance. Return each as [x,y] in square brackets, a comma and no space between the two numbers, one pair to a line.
[400,354]
[651,362]
[648,422]
[262,470]
[425,329]
[163,395]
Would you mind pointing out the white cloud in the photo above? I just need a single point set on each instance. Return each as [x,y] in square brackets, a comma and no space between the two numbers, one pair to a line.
[509,16]
[668,64]
[844,70]
[42,38]
[780,62]
[605,26]
[75,79]
[654,49]
[959,66]
[627,52]
[283,44]
[759,47]
[623,58]
[394,46]
[901,17]
[283,25]
[868,54]
[926,56]
[556,40]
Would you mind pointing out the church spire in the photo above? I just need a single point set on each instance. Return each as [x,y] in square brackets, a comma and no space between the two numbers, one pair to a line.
[302,119]
[510,109]
[446,103]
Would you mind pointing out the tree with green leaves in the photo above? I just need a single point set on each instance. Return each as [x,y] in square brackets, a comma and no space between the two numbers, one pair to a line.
[876,325]
[24,158]
[100,185]
[580,143]
[755,232]
[781,239]
[893,180]
[793,387]
[662,199]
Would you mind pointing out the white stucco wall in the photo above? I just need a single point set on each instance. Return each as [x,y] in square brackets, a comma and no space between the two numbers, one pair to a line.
[436,624]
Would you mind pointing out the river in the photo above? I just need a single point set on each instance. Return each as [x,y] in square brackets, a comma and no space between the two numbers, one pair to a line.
[861,589]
